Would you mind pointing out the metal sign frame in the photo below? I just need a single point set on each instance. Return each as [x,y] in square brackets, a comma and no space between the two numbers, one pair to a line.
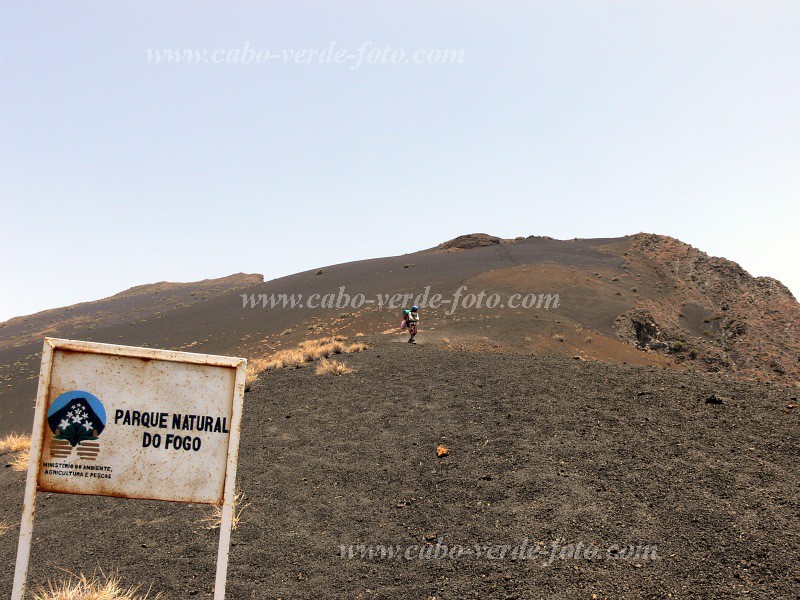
[39,424]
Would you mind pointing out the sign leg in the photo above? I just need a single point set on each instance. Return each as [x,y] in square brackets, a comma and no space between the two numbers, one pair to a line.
[222,552]
[32,481]
[229,492]
[25,538]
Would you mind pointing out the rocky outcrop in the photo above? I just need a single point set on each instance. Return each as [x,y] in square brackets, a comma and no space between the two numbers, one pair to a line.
[752,324]
[470,241]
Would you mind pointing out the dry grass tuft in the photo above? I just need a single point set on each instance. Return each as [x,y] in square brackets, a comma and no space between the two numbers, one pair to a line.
[214,520]
[19,447]
[254,367]
[393,331]
[14,442]
[332,367]
[5,527]
[306,352]
[96,587]
[20,460]
[286,358]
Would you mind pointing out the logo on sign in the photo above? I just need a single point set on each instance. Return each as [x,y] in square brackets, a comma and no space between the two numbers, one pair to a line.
[76,419]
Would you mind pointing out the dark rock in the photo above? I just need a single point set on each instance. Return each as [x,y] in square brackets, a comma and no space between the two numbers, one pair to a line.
[715,399]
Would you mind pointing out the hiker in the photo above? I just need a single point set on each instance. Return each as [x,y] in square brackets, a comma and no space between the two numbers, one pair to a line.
[412,319]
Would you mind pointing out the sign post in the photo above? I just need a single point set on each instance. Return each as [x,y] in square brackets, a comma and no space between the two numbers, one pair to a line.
[134,423]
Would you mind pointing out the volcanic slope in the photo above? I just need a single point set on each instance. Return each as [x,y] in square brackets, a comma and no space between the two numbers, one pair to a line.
[542,450]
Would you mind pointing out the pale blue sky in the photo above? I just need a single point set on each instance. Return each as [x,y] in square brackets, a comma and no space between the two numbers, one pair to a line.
[568,119]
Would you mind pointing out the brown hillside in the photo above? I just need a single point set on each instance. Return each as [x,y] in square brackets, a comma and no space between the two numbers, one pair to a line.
[709,305]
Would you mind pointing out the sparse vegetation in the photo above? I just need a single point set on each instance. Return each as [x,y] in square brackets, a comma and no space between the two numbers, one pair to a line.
[355,347]
[5,527]
[214,520]
[20,460]
[96,587]
[677,346]
[307,352]
[18,446]
[254,367]
[14,442]
[332,367]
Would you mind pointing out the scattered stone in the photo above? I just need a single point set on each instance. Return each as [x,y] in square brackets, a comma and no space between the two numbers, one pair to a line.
[714,399]
[442,451]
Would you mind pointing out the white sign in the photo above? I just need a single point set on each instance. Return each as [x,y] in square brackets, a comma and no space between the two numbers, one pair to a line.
[135,423]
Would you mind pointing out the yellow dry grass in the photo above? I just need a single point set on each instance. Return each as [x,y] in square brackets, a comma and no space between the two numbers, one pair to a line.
[96,587]
[332,367]
[18,446]
[14,442]
[254,367]
[214,520]
[306,352]
[20,460]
